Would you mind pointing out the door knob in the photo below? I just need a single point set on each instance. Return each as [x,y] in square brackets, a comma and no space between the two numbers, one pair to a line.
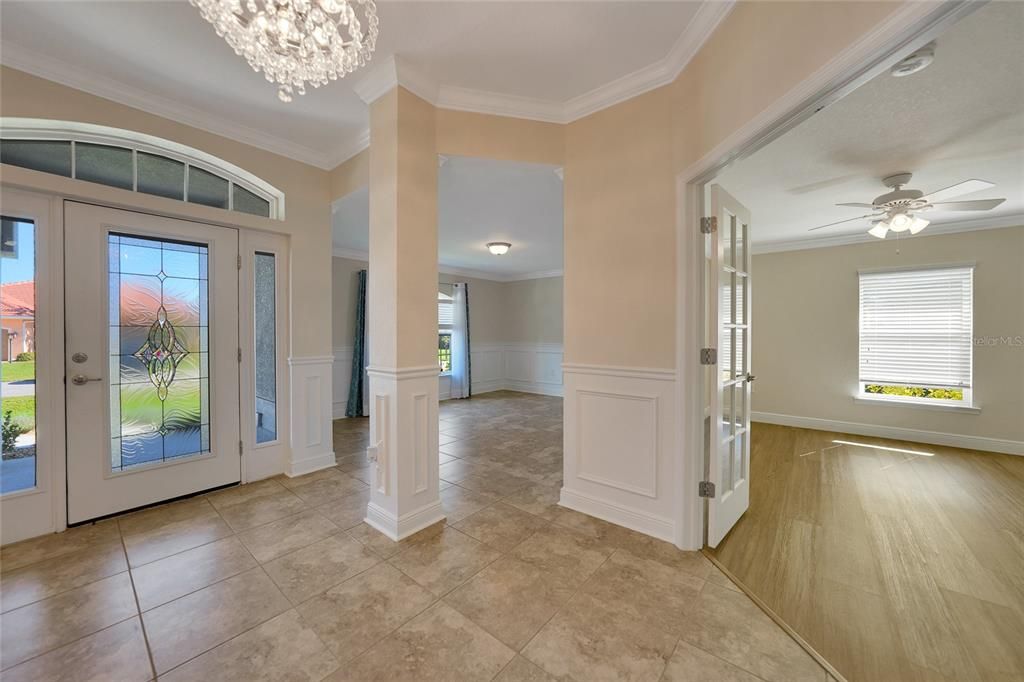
[750,377]
[79,380]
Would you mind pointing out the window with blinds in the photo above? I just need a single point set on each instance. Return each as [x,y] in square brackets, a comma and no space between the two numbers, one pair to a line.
[916,329]
[445,320]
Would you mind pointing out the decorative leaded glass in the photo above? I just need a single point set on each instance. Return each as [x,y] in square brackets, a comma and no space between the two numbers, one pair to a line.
[159,350]
[265,330]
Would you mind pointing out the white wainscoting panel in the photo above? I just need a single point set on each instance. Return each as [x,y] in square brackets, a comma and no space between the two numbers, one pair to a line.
[311,431]
[619,446]
[488,367]
[341,377]
[526,367]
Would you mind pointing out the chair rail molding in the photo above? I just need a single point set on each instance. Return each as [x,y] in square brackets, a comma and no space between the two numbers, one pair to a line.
[619,444]
[311,432]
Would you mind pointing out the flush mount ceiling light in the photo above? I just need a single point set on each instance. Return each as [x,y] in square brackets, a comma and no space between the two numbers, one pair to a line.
[296,42]
[498,248]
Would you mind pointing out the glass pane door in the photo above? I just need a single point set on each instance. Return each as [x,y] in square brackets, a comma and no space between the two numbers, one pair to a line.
[18,347]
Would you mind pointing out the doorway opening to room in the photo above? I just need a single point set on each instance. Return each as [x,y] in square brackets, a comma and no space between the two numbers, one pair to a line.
[498,331]
[845,479]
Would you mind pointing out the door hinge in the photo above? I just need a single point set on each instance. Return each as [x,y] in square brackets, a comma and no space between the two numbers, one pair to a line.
[240,447]
[708,225]
[239,261]
[706,489]
[239,354]
[709,356]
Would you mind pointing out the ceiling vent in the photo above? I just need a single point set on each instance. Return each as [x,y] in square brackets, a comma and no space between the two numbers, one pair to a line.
[914,62]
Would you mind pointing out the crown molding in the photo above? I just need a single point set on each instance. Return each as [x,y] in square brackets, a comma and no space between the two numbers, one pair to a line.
[379,78]
[497,104]
[395,71]
[350,148]
[355,254]
[975,224]
[30,61]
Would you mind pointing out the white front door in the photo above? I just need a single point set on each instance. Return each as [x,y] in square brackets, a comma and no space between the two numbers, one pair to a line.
[729,287]
[151,359]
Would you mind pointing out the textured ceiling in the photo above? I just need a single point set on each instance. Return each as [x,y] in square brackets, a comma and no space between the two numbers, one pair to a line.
[961,118]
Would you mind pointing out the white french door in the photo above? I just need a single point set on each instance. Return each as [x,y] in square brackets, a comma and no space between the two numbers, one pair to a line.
[151,359]
[729,295]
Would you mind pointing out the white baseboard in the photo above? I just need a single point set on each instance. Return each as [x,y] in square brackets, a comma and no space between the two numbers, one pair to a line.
[487,386]
[308,465]
[1009,447]
[413,522]
[634,519]
[532,387]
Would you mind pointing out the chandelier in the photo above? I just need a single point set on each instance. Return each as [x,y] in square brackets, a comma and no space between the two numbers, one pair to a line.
[296,42]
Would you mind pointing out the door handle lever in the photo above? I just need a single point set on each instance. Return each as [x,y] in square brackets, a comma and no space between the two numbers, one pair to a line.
[80,380]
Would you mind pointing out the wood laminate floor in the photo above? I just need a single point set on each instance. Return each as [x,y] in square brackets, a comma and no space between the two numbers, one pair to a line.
[893,566]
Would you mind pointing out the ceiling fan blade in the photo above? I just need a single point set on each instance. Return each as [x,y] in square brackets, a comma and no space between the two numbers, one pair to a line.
[976,205]
[958,190]
[848,220]
[858,205]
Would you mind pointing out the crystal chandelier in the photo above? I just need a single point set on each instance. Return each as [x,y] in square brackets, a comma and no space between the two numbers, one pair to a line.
[295,42]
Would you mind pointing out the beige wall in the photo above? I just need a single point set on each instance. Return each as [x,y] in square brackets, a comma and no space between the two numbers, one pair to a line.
[460,133]
[306,188]
[499,312]
[532,310]
[620,167]
[351,175]
[619,236]
[805,326]
[486,307]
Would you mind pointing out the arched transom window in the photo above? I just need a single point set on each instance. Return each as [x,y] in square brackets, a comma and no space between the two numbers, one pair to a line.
[137,162]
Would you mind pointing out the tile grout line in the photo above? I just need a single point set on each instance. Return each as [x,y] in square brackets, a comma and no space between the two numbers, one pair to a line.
[138,606]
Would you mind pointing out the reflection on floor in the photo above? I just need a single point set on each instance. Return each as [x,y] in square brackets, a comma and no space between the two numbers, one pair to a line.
[281,580]
[892,565]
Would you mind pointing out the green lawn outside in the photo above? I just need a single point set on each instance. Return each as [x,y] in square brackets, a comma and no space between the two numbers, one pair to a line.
[17,371]
[23,411]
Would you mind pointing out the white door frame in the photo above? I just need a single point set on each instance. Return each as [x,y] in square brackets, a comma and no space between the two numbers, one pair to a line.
[264,459]
[49,192]
[908,28]
[42,509]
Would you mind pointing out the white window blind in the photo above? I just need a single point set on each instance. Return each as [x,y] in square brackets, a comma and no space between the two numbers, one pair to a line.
[916,327]
[445,311]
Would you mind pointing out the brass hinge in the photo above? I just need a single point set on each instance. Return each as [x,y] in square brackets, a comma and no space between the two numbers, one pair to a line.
[708,225]
[706,489]
[709,356]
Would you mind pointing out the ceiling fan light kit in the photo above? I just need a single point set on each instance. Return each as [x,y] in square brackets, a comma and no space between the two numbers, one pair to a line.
[896,210]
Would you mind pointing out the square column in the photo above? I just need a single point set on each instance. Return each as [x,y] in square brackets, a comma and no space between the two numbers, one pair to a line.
[402,315]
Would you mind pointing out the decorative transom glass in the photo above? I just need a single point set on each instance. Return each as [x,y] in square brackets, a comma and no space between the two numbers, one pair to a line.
[159,350]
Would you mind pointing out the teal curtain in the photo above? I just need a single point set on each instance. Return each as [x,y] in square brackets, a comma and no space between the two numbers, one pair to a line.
[355,387]
[469,353]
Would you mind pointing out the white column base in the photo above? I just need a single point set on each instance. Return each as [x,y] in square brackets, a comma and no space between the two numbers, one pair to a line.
[411,523]
[403,443]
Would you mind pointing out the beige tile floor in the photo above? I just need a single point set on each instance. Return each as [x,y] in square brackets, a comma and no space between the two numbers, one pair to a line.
[280,579]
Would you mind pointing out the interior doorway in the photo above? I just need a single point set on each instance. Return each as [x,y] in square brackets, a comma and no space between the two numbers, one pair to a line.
[152,359]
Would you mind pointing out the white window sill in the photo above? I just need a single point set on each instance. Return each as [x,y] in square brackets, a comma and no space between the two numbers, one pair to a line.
[920,405]
[445,374]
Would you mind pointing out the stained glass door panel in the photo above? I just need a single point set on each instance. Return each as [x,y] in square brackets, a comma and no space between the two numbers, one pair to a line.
[159,350]
[152,344]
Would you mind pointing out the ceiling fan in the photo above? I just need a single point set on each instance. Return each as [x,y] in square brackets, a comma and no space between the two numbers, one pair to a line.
[897,210]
